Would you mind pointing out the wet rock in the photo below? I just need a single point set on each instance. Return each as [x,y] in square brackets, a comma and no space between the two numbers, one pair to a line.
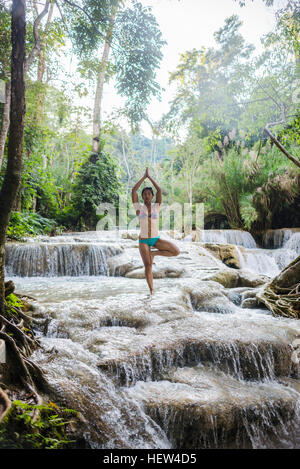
[249,293]
[109,333]
[250,279]
[250,303]
[158,272]
[236,294]
[227,278]
[129,235]
[201,408]
[208,296]
[9,287]
[126,262]
[28,306]
[111,420]
[231,346]
[226,253]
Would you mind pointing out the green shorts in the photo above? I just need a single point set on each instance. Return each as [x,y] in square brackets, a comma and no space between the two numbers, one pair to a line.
[149,241]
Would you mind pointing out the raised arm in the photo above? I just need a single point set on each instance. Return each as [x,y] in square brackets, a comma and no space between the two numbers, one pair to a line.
[157,187]
[134,194]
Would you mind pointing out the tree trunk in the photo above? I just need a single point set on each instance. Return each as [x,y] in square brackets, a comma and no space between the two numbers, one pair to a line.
[5,120]
[280,146]
[13,172]
[125,158]
[42,67]
[37,39]
[99,88]
[33,53]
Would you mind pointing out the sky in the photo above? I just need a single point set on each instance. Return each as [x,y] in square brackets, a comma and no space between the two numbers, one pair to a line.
[188,24]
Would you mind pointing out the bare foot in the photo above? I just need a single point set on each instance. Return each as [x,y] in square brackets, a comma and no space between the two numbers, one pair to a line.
[149,296]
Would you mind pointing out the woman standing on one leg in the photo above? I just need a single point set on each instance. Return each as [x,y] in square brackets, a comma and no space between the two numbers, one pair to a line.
[148,214]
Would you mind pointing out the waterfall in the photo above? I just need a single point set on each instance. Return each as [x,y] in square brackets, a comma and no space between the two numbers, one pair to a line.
[190,367]
[258,262]
[266,261]
[113,419]
[191,406]
[282,246]
[293,243]
[52,260]
[274,239]
[237,237]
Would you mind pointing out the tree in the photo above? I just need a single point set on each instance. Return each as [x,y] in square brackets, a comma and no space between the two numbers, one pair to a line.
[211,82]
[190,154]
[13,172]
[97,182]
[282,87]
[134,37]
[4,70]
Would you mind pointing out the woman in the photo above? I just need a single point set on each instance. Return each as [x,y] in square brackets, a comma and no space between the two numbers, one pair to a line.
[148,214]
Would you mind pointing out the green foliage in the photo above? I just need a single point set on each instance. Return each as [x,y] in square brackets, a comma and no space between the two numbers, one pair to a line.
[87,26]
[291,133]
[97,181]
[248,212]
[11,303]
[5,47]
[225,96]
[140,41]
[26,223]
[230,184]
[135,41]
[19,430]
[211,82]
[277,200]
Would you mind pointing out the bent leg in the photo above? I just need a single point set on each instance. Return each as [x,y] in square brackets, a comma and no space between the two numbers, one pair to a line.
[145,254]
[165,248]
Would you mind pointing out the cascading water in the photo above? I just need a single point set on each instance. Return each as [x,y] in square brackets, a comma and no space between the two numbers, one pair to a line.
[60,259]
[190,368]
[237,237]
[293,243]
[274,239]
[281,247]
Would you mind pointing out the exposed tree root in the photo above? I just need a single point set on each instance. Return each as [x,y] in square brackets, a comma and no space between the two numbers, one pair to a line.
[282,295]
[6,403]
[16,331]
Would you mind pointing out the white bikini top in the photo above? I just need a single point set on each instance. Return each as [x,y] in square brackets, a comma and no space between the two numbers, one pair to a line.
[148,223]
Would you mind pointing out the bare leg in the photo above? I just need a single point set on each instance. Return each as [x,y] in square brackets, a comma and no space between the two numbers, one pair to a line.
[152,257]
[145,254]
[165,248]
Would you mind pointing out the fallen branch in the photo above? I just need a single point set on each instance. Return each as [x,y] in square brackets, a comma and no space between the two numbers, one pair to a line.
[278,144]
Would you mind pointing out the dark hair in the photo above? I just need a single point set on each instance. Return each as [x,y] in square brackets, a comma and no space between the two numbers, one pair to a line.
[147,189]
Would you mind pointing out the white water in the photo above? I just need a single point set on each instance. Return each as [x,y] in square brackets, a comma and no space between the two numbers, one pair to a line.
[285,237]
[237,237]
[138,370]
[266,261]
